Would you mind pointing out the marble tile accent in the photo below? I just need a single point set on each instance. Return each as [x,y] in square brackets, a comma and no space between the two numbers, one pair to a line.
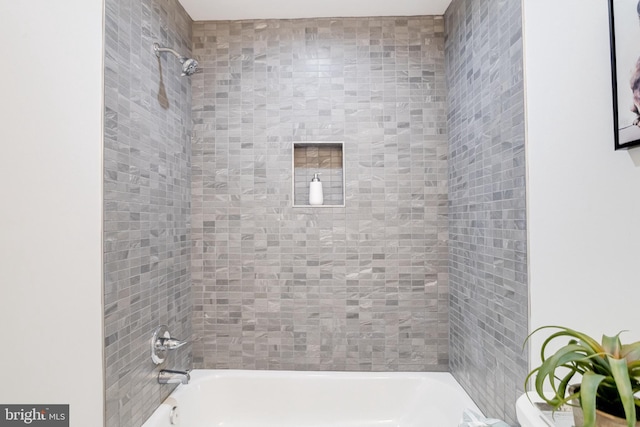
[487,223]
[364,287]
[147,191]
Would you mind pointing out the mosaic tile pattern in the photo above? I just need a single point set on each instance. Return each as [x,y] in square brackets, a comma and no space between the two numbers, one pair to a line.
[487,227]
[147,190]
[359,288]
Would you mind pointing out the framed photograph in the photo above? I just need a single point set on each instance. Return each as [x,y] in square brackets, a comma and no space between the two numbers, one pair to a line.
[624,24]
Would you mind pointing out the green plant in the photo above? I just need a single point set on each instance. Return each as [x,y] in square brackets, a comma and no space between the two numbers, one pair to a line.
[610,374]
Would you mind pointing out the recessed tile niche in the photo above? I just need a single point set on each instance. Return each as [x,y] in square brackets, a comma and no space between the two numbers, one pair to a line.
[325,158]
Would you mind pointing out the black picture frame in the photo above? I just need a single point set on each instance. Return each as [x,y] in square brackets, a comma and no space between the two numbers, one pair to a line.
[624,30]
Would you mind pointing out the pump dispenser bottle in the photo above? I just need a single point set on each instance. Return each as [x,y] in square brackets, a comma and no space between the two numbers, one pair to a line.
[315,191]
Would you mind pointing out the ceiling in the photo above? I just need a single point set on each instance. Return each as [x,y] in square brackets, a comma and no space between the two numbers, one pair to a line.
[222,10]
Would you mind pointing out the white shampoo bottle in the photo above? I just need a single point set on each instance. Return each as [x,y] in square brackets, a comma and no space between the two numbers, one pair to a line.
[315,191]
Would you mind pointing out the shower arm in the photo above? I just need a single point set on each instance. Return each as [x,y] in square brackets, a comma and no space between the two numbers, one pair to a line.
[158,49]
[189,65]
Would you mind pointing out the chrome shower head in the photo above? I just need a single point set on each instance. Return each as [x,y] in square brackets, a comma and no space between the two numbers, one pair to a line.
[189,65]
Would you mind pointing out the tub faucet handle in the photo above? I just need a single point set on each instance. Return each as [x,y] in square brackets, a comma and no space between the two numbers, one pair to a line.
[164,343]
[161,343]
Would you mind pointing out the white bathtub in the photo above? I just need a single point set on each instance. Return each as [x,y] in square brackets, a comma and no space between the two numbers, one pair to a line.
[228,398]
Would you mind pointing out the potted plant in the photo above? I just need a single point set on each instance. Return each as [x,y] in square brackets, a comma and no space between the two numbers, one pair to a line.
[608,375]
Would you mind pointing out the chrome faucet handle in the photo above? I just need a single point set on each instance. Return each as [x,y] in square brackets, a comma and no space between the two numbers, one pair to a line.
[164,343]
[161,343]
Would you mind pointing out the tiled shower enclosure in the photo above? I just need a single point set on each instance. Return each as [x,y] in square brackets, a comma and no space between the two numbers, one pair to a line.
[422,266]
[361,287]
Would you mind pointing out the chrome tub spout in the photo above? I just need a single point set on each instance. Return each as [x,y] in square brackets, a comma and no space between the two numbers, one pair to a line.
[169,376]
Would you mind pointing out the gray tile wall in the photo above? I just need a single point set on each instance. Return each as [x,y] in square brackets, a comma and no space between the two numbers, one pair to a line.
[147,190]
[357,288]
[487,228]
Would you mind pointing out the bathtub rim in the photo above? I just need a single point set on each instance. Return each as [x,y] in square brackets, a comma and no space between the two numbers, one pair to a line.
[198,375]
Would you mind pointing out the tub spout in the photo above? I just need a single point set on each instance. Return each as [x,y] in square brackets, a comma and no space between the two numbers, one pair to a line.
[169,376]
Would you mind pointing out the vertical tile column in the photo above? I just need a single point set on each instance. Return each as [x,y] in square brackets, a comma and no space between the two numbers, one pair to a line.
[487,224]
[147,192]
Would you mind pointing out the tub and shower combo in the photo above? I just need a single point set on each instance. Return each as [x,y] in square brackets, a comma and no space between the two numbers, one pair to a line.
[234,398]
[237,398]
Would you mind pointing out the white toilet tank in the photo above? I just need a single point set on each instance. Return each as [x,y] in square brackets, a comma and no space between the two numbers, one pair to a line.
[529,415]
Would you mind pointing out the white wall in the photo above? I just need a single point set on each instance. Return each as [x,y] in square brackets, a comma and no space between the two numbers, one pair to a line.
[51,205]
[583,197]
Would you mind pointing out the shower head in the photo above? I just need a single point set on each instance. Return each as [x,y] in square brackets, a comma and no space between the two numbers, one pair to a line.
[189,65]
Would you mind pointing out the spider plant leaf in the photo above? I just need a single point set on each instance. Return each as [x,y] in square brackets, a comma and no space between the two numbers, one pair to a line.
[623,383]
[590,342]
[631,352]
[567,357]
[588,390]
[564,383]
[634,365]
[612,345]
[634,370]
[590,346]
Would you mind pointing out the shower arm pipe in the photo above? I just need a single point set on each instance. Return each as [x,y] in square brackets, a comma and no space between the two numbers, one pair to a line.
[158,49]
[189,65]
